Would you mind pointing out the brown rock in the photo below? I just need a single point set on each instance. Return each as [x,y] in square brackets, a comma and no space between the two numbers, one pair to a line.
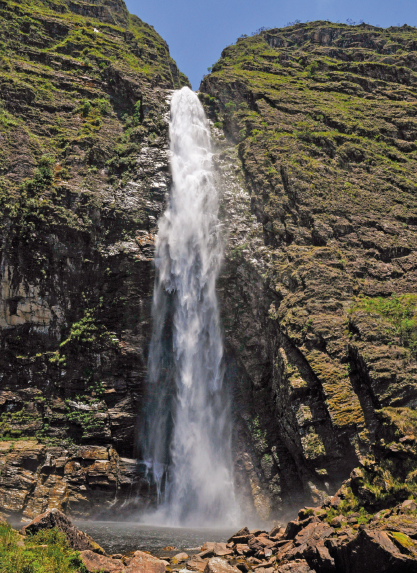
[322,560]
[242,549]
[219,565]
[242,538]
[77,539]
[298,566]
[221,550]
[244,532]
[142,562]
[408,505]
[257,532]
[276,531]
[337,521]
[197,565]
[259,543]
[313,533]
[285,550]
[374,551]
[94,562]
[208,546]
[293,527]
[335,501]
[179,558]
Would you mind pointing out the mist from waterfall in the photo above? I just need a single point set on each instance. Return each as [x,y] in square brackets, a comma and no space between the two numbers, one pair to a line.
[187,440]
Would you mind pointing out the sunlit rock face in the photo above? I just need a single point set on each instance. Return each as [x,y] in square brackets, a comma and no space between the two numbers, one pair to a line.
[314,163]
[319,288]
[77,233]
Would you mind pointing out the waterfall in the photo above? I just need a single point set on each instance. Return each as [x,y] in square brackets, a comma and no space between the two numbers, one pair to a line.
[187,440]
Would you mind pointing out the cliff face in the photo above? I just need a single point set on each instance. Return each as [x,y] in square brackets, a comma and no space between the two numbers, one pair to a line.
[83,177]
[315,134]
[319,295]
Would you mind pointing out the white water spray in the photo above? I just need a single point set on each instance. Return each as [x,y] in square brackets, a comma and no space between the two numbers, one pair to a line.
[187,438]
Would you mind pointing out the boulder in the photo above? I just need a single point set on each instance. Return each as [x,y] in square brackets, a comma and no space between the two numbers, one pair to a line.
[221,550]
[197,565]
[337,521]
[260,543]
[298,566]
[313,533]
[95,562]
[293,527]
[219,565]
[257,532]
[179,557]
[77,539]
[374,551]
[242,538]
[142,562]
[322,560]
[242,549]
[244,532]
[139,563]
[276,530]
[408,506]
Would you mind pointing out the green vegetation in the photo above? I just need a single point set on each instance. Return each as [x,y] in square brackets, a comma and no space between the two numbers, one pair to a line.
[86,419]
[86,335]
[45,552]
[324,123]
[399,312]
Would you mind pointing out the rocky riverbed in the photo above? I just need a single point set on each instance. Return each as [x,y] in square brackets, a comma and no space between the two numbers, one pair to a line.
[321,539]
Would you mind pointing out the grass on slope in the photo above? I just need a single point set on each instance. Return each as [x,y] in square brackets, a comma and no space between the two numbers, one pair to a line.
[45,552]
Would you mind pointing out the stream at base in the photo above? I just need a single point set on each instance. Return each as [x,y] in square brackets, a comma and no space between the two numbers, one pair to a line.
[121,537]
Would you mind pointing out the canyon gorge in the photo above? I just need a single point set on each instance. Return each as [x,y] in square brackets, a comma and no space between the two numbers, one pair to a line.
[314,134]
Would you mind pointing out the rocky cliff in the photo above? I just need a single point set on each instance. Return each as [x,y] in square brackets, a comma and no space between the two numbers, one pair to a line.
[319,296]
[315,153]
[83,178]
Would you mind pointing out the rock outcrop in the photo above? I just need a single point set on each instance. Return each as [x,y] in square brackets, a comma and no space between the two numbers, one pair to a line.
[315,152]
[318,294]
[317,542]
[53,518]
[83,178]
[139,562]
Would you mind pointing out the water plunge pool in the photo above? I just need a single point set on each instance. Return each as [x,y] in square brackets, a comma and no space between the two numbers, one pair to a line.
[122,537]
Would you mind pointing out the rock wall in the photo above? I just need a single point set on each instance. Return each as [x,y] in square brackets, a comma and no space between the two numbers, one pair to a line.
[319,297]
[83,178]
[314,130]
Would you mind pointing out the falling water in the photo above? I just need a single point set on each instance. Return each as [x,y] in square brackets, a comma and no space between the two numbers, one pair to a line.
[187,437]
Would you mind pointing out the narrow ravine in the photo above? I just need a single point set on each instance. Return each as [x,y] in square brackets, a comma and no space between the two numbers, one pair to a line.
[187,439]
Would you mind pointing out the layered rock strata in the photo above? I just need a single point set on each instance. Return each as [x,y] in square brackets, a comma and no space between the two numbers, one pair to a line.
[83,177]
[319,300]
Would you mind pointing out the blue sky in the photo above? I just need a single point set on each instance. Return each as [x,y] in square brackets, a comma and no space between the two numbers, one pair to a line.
[198,30]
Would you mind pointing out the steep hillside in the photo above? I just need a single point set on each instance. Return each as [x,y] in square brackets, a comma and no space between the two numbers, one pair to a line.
[315,132]
[319,293]
[83,177]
